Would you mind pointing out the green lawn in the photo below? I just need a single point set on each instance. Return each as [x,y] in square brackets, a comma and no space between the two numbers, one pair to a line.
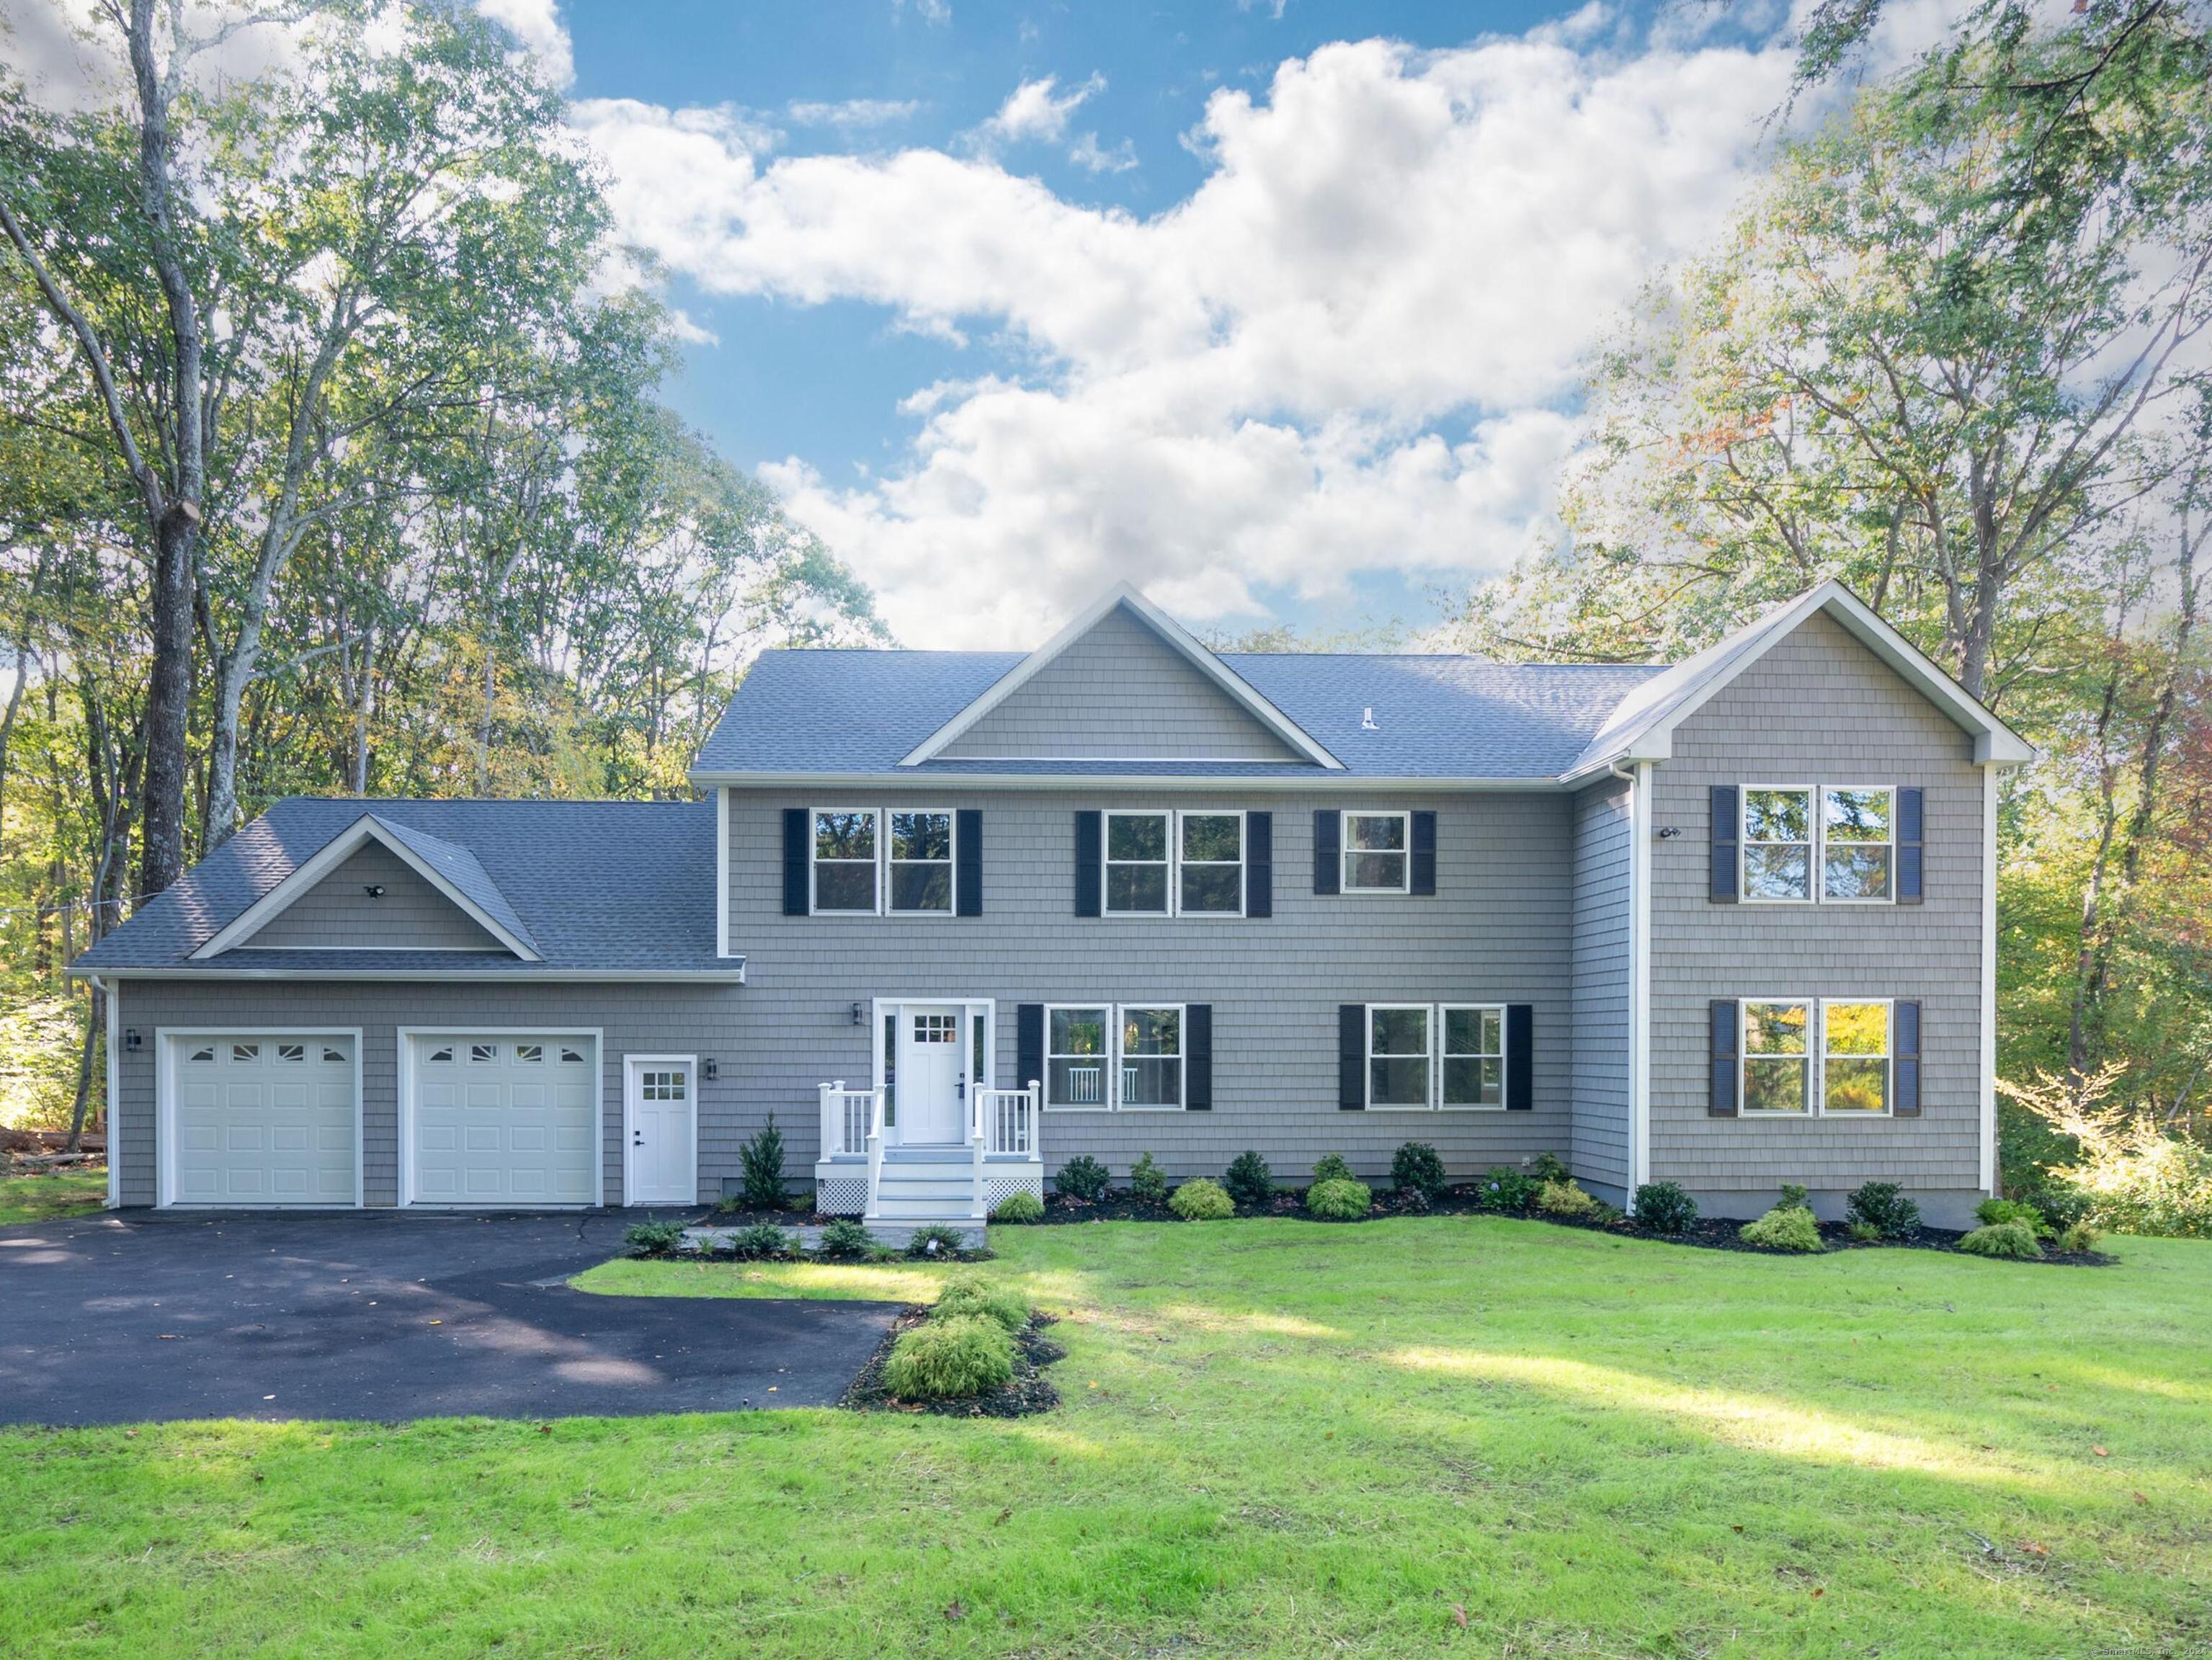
[1279,1439]
[42,1198]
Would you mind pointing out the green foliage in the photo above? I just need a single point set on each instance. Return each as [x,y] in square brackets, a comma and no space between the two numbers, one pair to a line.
[1786,1228]
[935,1241]
[1506,1189]
[1664,1207]
[2131,1167]
[2014,1240]
[1019,1207]
[2079,1236]
[1202,1201]
[1795,1196]
[845,1240]
[763,1242]
[1332,1167]
[1563,1198]
[1340,1199]
[761,1157]
[40,1037]
[1549,1167]
[1417,1167]
[1883,1207]
[973,1295]
[1248,1180]
[1147,1181]
[1083,1178]
[1864,1233]
[653,1238]
[1997,1212]
[951,1360]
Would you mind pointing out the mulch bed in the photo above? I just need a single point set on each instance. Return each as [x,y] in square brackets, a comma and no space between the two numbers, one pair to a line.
[1706,1234]
[1028,1392]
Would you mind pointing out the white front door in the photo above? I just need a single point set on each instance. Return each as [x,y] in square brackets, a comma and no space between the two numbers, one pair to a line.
[932,1073]
[660,1157]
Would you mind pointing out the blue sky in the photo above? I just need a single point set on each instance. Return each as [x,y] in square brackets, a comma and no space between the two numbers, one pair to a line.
[1281,316]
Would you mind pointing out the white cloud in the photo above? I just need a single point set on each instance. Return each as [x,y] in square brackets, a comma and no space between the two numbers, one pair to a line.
[1031,114]
[851,113]
[537,26]
[1353,347]
[1088,153]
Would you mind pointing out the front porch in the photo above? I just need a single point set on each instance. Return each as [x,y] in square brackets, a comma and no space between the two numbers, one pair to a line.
[866,1168]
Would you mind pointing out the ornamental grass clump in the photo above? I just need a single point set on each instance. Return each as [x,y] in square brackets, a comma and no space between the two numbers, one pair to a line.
[1019,1208]
[936,1240]
[845,1240]
[1786,1228]
[1339,1199]
[950,1360]
[1565,1199]
[972,1296]
[1201,1200]
[653,1238]
[2014,1241]
[763,1242]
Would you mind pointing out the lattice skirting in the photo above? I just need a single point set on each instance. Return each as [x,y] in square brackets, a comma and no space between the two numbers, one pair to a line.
[842,1196]
[996,1188]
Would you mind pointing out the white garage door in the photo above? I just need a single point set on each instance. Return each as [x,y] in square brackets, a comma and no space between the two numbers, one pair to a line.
[502,1119]
[263,1118]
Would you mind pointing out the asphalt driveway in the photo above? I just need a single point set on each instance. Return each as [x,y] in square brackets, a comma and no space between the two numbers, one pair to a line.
[107,1320]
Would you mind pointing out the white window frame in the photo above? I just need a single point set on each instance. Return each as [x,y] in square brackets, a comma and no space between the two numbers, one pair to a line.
[1816,1056]
[1345,850]
[1888,1007]
[1368,1058]
[1444,1055]
[1743,845]
[882,817]
[1175,817]
[1821,836]
[1110,1086]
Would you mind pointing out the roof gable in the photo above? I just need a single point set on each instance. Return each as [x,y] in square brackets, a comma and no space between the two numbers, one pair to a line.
[1123,682]
[372,899]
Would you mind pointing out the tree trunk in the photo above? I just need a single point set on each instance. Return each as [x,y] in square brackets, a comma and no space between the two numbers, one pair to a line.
[168,699]
[96,1017]
[2092,897]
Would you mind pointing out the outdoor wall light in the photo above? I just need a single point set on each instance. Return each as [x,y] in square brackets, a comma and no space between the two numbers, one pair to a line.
[859,1018]
[130,1038]
[707,1069]
[1669,833]
[373,890]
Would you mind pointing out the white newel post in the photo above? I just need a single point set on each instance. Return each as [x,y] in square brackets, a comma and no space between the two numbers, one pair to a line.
[833,1120]
[979,1101]
[875,1143]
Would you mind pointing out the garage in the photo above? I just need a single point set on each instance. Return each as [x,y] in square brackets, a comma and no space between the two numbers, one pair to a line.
[501,1118]
[262,1118]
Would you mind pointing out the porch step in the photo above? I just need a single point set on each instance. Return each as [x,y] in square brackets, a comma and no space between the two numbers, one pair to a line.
[935,1189]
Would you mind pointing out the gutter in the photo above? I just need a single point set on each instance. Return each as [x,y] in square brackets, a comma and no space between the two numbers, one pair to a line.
[1639,971]
[1329,783]
[734,976]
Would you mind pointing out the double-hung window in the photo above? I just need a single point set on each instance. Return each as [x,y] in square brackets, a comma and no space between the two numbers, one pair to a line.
[1777,844]
[1376,851]
[1399,1055]
[1114,1057]
[1836,844]
[869,863]
[1803,1056]
[1431,1055]
[1858,834]
[1474,1055]
[1185,864]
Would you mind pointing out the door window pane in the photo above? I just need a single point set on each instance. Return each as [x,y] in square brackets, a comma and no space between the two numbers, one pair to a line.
[1856,842]
[1151,1057]
[1213,861]
[921,860]
[1777,1057]
[1855,1065]
[845,861]
[1137,862]
[1374,852]
[1398,1057]
[1075,1057]
[1777,844]
[1474,1057]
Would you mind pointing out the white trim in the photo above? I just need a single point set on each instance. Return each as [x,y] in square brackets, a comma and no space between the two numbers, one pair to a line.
[1989,1032]
[1811,795]
[1811,1057]
[333,852]
[721,870]
[632,1065]
[1888,1056]
[972,1008]
[1640,802]
[1178,638]
[1444,1055]
[1174,816]
[1820,834]
[1367,1058]
[114,1118]
[187,972]
[1105,1102]
[405,1068]
[1344,847]
[951,861]
[1286,782]
[1112,1059]
[165,1109]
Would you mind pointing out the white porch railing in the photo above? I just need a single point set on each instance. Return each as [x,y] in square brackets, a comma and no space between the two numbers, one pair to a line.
[847,1117]
[1001,1124]
[1007,1121]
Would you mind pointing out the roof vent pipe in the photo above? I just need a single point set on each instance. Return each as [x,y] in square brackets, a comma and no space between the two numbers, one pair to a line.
[1367,720]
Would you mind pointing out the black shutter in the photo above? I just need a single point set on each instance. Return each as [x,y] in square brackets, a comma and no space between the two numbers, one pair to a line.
[1090,831]
[968,862]
[1912,821]
[1726,1023]
[1329,852]
[1424,852]
[1520,1057]
[1198,1056]
[1259,864]
[1028,1045]
[1905,1018]
[795,862]
[1726,820]
[1352,1056]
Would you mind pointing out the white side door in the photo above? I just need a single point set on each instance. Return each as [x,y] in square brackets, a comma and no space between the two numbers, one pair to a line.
[661,1134]
[931,1073]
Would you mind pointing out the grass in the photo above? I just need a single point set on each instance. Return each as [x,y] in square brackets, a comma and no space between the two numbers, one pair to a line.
[1280,1438]
[44,1198]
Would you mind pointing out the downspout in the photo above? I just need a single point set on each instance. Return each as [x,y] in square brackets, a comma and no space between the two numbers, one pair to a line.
[1989,1033]
[1639,971]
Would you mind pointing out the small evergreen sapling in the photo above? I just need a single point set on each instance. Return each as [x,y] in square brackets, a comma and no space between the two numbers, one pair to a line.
[1083,1178]
[1417,1167]
[761,1160]
[1248,1180]
[1147,1181]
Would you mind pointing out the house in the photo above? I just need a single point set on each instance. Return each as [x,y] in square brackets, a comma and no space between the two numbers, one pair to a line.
[954,918]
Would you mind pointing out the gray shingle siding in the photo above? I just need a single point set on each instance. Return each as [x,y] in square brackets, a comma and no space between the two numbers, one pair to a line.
[338,913]
[1602,985]
[1497,931]
[1120,691]
[1818,708]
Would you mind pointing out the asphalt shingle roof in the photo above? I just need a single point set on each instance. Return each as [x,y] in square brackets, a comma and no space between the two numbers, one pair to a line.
[1435,717]
[593,885]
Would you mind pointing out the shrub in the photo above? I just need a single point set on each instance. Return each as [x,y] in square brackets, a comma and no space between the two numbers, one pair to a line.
[2080,1237]
[1340,1199]
[1883,1207]
[1786,1228]
[936,1240]
[1082,1177]
[845,1239]
[950,1360]
[1202,1201]
[1864,1233]
[1795,1197]
[971,1296]
[1331,1167]
[763,1242]
[1664,1207]
[2132,1171]
[1563,1198]
[2060,1205]
[1148,1181]
[2014,1239]
[1248,1180]
[1549,1167]
[1019,1208]
[1417,1167]
[1508,1189]
[1996,1213]
[653,1238]
[762,1159]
